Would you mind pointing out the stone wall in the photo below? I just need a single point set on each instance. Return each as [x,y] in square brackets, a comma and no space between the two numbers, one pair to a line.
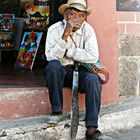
[129,64]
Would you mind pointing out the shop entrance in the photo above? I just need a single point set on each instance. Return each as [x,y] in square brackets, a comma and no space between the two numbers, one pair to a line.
[12,77]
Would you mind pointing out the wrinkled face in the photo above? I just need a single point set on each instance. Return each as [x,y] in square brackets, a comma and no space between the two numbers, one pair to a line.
[74,14]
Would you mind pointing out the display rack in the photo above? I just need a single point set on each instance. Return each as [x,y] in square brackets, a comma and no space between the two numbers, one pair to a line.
[37,21]
[6,32]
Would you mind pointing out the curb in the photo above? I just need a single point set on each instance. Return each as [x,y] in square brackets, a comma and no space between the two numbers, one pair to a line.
[121,116]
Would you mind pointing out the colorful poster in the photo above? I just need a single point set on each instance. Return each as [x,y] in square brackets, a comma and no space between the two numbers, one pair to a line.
[28,49]
[7,30]
[42,10]
[7,22]
[38,17]
[40,23]
[6,40]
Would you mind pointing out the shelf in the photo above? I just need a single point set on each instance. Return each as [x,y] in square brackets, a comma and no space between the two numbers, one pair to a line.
[5,32]
[6,49]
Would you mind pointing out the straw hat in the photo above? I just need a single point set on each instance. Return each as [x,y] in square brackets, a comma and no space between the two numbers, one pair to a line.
[78,4]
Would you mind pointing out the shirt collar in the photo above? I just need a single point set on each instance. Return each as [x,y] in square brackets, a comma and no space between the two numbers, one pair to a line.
[79,31]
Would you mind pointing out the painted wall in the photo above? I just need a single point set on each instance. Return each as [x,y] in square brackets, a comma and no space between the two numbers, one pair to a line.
[103,19]
[128,22]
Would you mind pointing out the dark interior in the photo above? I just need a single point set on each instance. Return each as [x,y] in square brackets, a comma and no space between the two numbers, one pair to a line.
[9,75]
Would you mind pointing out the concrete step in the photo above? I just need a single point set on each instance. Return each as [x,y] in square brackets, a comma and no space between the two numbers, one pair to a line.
[19,102]
[120,116]
[29,102]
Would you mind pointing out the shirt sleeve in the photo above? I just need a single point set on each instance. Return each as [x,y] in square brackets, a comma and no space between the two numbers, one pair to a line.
[89,52]
[55,46]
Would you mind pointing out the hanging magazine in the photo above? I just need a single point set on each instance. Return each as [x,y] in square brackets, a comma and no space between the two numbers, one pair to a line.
[7,22]
[28,49]
[38,16]
[7,30]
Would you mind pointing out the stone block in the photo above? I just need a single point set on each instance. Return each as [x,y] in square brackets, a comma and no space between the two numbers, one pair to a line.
[129,75]
[129,45]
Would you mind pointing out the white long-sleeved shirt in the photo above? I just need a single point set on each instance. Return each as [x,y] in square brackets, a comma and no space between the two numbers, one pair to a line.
[85,39]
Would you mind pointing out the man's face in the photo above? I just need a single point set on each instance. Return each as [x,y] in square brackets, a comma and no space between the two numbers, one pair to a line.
[75,16]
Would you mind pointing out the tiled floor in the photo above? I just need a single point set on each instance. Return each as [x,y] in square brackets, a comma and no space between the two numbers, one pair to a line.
[11,77]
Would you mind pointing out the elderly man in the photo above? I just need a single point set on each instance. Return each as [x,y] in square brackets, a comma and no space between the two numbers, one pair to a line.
[62,51]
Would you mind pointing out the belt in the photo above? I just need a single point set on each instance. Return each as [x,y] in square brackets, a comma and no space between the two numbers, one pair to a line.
[69,66]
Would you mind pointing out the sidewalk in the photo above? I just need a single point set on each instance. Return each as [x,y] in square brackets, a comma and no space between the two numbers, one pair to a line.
[120,116]
[131,134]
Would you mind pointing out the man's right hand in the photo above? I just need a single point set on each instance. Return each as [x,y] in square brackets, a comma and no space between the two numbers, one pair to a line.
[70,26]
[74,24]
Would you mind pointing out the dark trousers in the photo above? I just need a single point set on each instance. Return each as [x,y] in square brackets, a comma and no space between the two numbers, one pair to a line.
[58,76]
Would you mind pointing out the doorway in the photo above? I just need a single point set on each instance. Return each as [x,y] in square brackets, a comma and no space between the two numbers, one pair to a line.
[12,77]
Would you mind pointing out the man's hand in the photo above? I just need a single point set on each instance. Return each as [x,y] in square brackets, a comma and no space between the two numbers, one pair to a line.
[72,25]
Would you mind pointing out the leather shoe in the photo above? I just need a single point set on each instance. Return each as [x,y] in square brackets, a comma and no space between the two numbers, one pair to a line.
[97,135]
[56,113]
[55,117]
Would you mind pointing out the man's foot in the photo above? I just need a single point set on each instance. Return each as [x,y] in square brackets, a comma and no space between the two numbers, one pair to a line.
[97,135]
[55,117]
[56,113]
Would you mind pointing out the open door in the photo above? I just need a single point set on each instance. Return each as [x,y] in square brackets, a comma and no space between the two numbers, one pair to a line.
[55,16]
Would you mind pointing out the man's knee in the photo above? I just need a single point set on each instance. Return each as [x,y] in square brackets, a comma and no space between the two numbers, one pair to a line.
[93,78]
[53,64]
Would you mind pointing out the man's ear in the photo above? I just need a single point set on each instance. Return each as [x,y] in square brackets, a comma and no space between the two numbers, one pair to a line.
[65,16]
